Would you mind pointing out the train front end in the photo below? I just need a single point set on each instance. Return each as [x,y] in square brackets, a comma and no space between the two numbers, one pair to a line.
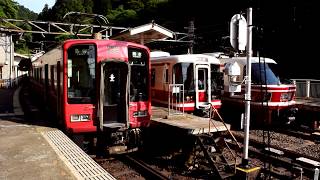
[268,91]
[78,101]
[124,104]
[272,100]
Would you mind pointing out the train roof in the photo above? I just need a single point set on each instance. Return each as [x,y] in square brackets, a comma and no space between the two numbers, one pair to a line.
[103,41]
[243,60]
[185,58]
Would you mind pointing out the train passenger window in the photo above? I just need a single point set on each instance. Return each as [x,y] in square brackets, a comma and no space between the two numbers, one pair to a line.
[81,74]
[52,77]
[153,77]
[40,74]
[183,74]
[201,79]
[166,75]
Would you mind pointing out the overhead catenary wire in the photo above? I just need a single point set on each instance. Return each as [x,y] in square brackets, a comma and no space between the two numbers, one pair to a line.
[264,97]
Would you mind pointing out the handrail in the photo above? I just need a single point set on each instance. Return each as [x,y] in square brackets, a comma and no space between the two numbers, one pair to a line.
[216,111]
[234,139]
[175,98]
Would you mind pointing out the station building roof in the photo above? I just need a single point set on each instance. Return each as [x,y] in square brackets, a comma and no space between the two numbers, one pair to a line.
[144,34]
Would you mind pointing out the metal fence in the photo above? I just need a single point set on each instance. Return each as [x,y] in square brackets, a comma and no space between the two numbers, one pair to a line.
[176,99]
[307,88]
[7,83]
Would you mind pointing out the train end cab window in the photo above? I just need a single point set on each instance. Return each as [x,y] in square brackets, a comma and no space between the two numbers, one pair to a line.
[81,73]
[139,82]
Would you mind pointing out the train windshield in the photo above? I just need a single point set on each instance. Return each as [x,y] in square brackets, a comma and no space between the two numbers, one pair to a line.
[139,83]
[81,74]
[263,74]
[183,74]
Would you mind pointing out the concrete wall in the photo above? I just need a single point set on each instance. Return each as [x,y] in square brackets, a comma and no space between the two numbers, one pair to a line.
[6,55]
[9,62]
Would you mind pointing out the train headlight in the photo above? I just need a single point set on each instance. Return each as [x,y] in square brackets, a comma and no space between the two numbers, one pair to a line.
[267,96]
[75,118]
[140,113]
[213,97]
[79,117]
[85,117]
[188,98]
[284,97]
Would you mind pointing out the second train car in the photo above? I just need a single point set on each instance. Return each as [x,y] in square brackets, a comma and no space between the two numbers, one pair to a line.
[97,86]
[272,98]
[195,76]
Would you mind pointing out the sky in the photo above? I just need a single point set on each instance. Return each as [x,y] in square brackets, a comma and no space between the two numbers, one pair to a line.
[35,5]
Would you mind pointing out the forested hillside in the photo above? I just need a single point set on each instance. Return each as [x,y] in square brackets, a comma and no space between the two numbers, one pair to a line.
[282,29]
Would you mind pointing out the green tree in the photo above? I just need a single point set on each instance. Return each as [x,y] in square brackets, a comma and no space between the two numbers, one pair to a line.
[122,16]
[62,7]
[102,7]
[25,13]
[45,14]
[8,9]
[88,6]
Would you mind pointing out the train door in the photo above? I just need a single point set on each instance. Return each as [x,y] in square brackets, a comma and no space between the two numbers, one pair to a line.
[114,93]
[202,86]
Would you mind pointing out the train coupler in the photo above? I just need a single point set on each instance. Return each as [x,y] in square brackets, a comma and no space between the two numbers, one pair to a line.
[290,115]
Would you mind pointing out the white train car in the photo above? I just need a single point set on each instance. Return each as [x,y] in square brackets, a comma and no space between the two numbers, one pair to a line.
[268,92]
[196,76]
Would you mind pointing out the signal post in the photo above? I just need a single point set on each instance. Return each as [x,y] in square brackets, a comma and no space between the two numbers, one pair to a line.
[240,36]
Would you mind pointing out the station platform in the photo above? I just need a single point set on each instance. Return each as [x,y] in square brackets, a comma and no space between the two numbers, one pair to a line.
[191,123]
[32,150]
[310,104]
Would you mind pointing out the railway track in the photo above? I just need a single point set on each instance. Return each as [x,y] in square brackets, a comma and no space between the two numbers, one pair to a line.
[147,170]
[282,162]
[134,167]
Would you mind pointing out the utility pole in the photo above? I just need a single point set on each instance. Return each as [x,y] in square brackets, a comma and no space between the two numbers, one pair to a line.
[191,36]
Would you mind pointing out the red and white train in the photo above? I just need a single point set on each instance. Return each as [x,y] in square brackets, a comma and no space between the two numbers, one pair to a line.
[195,77]
[270,97]
[97,86]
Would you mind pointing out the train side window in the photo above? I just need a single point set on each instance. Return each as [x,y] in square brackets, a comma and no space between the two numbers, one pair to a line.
[36,75]
[40,77]
[153,77]
[166,75]
[52,77]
